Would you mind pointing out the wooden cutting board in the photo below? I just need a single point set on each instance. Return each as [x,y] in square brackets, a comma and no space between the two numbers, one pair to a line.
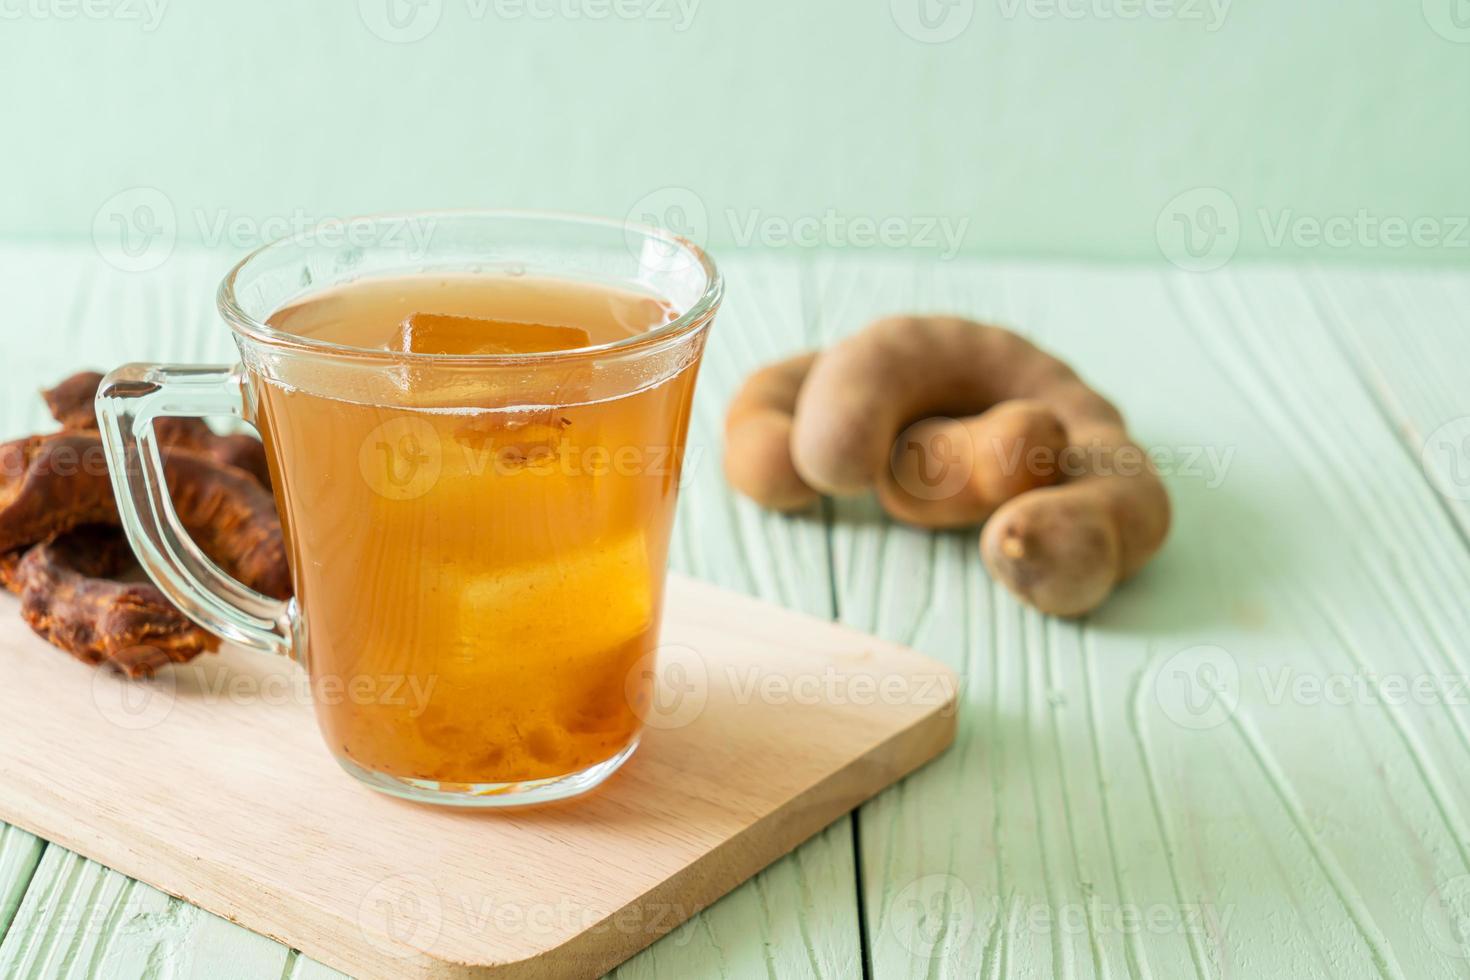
[211,783]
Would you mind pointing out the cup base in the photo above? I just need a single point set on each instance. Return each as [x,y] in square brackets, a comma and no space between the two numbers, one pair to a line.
[492,795]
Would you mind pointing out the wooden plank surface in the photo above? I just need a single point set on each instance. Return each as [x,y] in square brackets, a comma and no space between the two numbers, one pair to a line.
[728,779]
[1278,827]
[799,916]
[1215,776]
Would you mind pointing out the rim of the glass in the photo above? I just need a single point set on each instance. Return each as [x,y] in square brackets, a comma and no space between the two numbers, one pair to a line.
[687,322]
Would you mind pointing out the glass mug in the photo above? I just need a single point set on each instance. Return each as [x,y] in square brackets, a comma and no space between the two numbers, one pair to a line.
[477,540]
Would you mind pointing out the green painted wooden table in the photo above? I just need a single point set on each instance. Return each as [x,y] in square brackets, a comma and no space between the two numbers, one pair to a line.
[1253,762]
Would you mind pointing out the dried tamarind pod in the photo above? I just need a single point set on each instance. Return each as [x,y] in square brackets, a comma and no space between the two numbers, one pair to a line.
[72,404]
[69,595]
[71,401]
[50,484]
[758,436]
[232,518]
[61,551]
[53,483]
[242,452]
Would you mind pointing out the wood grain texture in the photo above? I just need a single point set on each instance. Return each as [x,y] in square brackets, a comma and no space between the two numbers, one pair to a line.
[1178,786]
[67,308]
[743,758]
[83,920]
[797,917]
[1408,337]
[1293,818]
[20,855]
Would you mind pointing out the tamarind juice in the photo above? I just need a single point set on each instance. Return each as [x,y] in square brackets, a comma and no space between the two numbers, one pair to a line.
[478,559]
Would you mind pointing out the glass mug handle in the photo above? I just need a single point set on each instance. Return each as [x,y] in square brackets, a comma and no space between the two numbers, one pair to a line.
[128,401]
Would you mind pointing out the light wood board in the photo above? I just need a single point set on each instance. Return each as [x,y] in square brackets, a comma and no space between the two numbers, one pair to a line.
[211,784]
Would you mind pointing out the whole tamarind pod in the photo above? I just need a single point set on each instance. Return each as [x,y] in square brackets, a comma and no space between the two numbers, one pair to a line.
[1061,548]
[53,483]
[70,594]
[758,436]
[865,389]
[71,400]
[946,472]
[72,404]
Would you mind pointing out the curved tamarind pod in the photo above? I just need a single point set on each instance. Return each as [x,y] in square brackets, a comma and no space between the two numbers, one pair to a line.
[71,403]
[50,484]
[993,454]
[1064,548]
[232,518]
[864,390]
[69,596]
[1060,548]
[758,436]
[947,473]
[240,451]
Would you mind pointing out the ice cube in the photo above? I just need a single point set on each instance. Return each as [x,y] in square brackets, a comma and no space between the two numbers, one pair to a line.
[578,605]
[438,333]
[512,441]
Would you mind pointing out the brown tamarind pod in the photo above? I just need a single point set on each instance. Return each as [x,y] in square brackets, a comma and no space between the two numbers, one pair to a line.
[70,594]
[758,436]
[63,554]
[945,472]
[71,404]
[53,483]
[1063,549]
[865,389]
[71,400]
[1060,548]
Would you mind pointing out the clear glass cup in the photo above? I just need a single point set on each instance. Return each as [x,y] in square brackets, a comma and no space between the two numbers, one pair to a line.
[477,542]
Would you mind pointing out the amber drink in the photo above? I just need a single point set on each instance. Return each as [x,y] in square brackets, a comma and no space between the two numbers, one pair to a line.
[475,423]
[491,556]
